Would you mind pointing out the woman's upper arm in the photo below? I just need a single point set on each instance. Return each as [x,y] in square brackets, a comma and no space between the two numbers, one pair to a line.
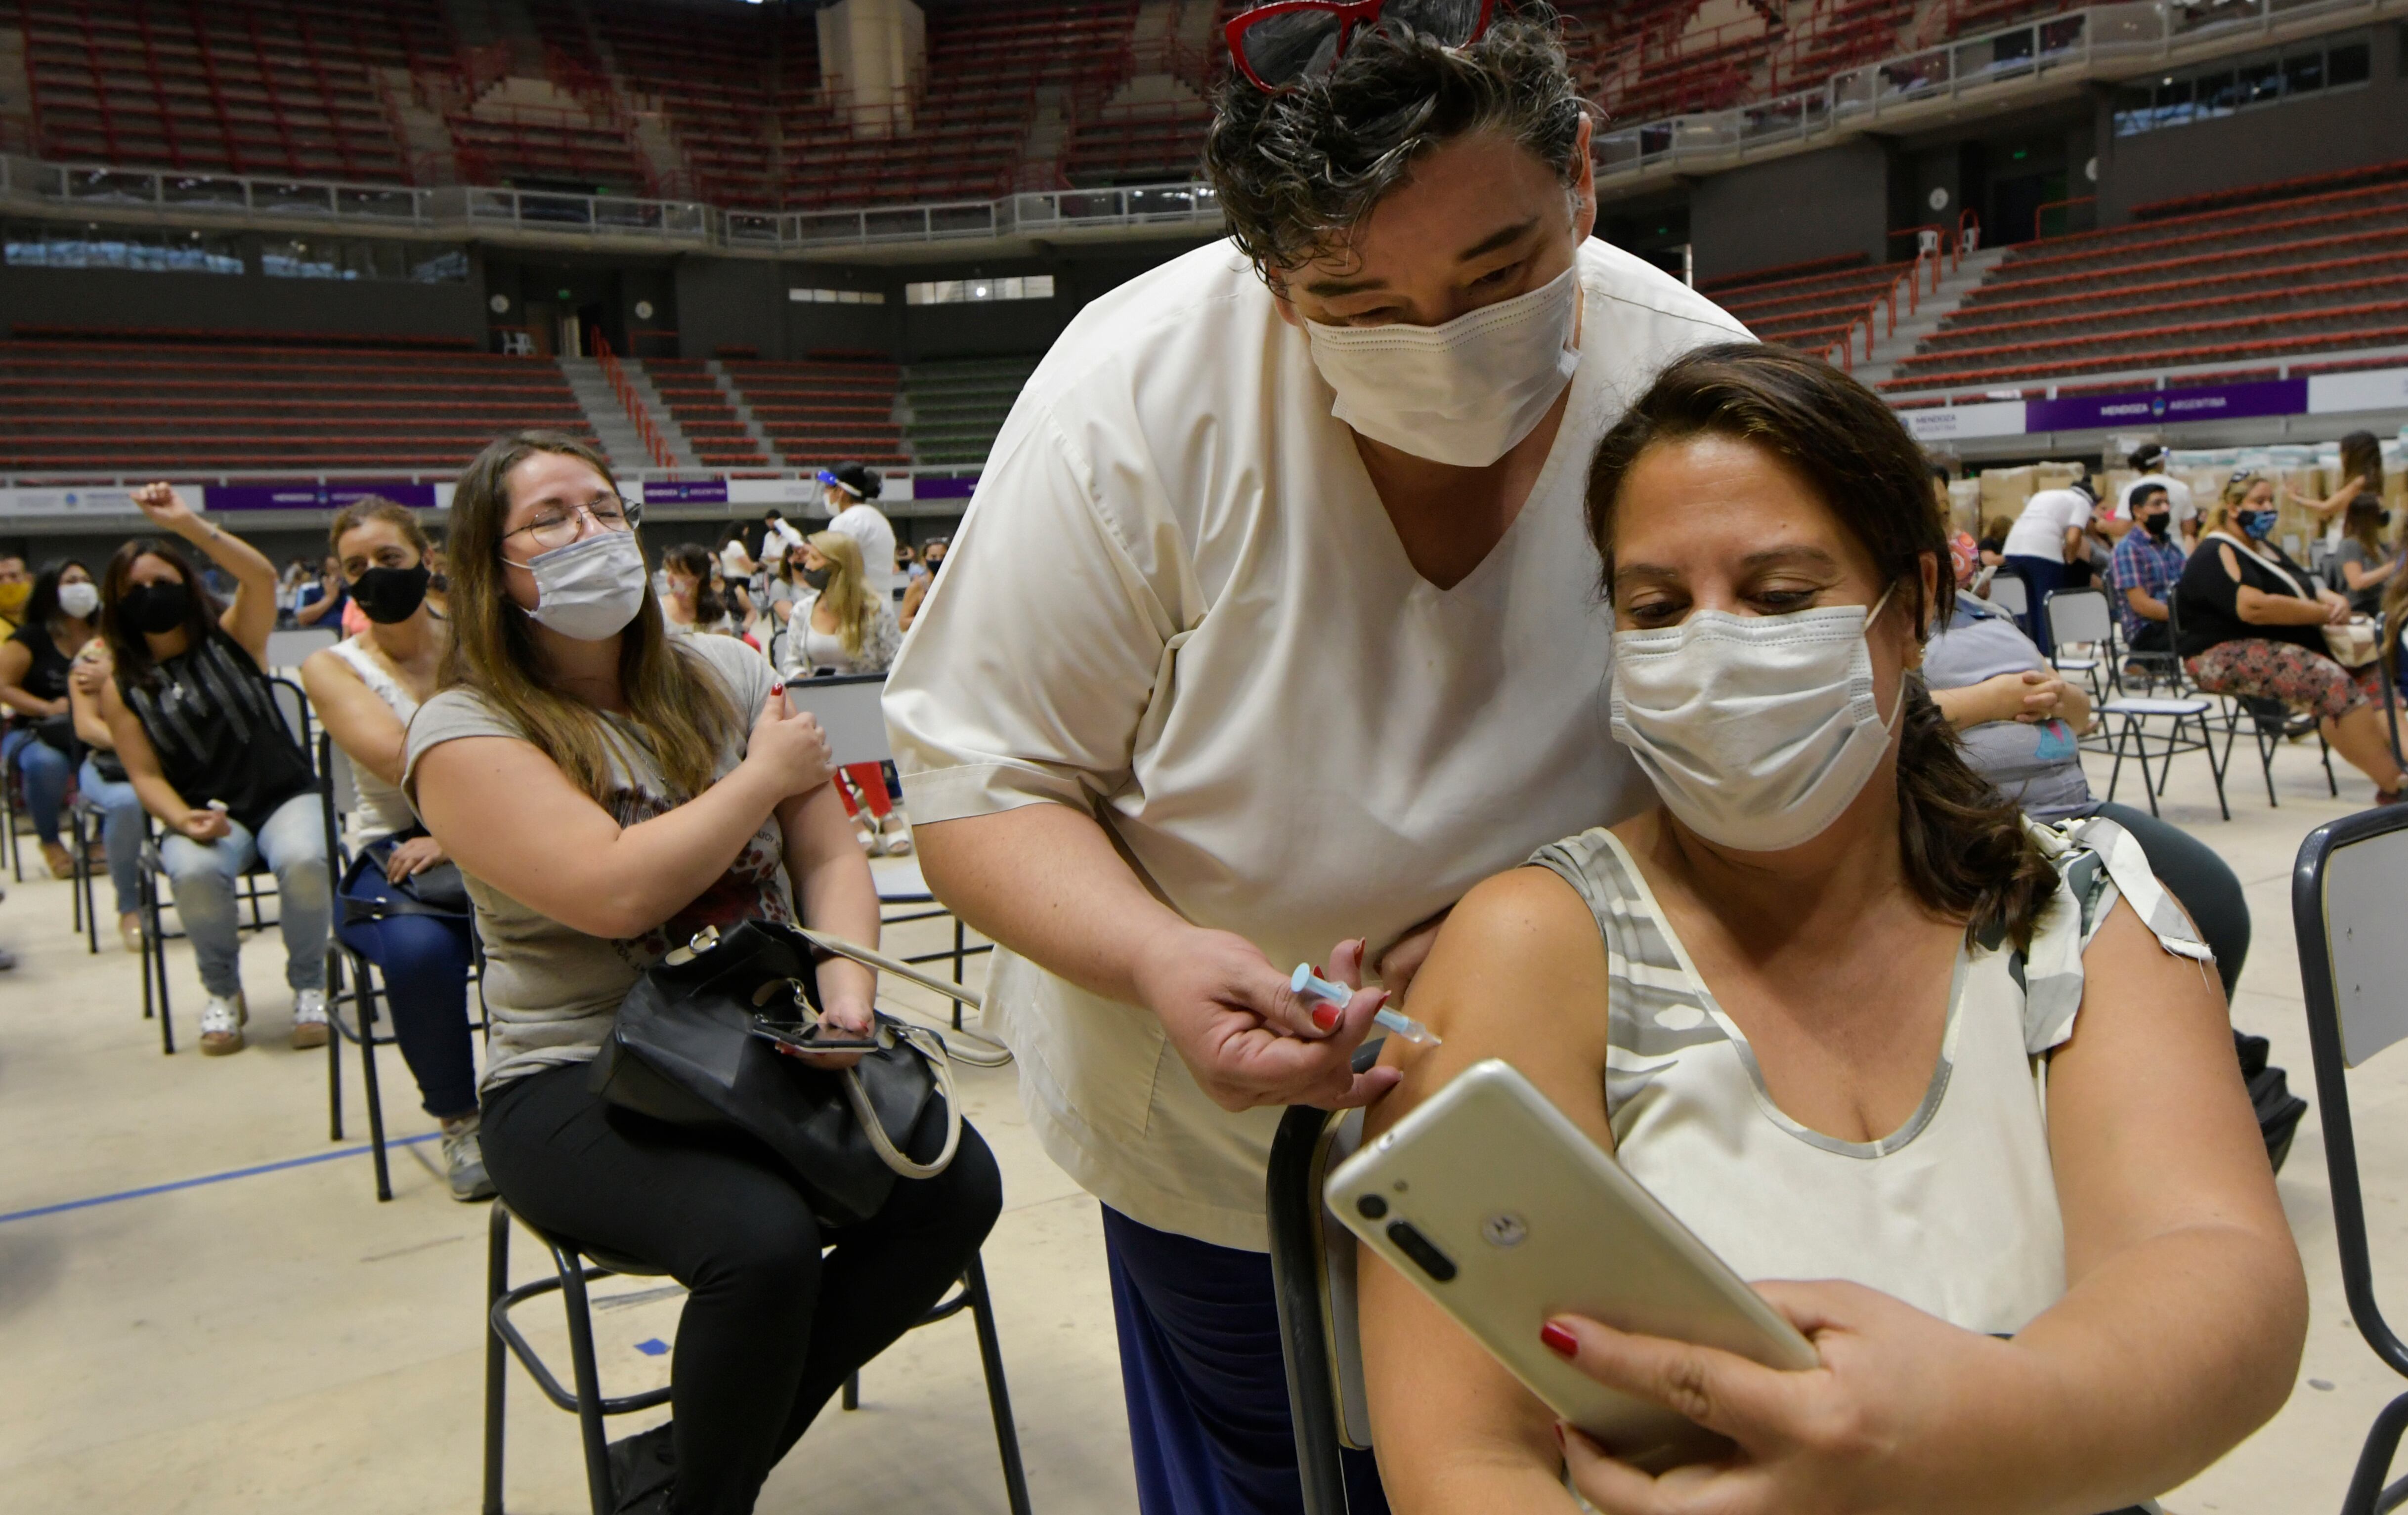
[133,743]
[508,815]
[1517,973]
[16,660]
[361,723]
[2149,1124]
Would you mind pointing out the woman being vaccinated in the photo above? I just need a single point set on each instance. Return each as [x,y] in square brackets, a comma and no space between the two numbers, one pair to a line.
[608,790]
[365,689]
[1965,1081]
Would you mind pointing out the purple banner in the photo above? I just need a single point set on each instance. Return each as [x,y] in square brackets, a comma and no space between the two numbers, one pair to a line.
[307,497]
[2267,397]
[957,487]
[689,492]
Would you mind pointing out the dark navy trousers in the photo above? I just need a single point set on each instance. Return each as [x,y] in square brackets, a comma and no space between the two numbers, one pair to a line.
[1206,1384]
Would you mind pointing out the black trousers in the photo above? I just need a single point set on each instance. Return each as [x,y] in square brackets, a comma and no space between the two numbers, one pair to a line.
[755,1357]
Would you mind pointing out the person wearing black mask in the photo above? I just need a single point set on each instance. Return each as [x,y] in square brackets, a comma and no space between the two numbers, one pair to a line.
[365,690]
[934,556]
[197,728]
[2143,569]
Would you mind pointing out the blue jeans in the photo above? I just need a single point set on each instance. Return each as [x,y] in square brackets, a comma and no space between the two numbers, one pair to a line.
[45,771]
[120,831]
[1205,1380]
[2042,577]
[203,875]
[423,961]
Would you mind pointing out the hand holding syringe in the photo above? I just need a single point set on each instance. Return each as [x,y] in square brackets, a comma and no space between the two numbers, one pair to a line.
[1310,986]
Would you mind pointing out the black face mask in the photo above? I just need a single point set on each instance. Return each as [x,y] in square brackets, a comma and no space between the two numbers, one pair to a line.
[156,609]
[2158,525]
[816,577]
[386,595]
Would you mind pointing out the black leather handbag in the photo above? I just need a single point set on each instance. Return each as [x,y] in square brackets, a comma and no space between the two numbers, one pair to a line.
[438,891]
[694,1044]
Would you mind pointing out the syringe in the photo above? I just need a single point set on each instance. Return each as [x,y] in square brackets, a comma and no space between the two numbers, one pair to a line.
[1311,986]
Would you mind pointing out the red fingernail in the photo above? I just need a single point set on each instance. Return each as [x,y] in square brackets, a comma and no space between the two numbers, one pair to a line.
[1325,1015]
[1558,1340]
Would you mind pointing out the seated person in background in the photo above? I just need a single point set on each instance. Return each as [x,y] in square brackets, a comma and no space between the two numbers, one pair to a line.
[16,587]
[193,718]
[595,779]
[917,594]
[102,781]
[365,690]
[1854,1020]
[2362,561]
[2149,460]
[784,581]
[839,626]
[59,619]
[323,604]
[2142,575]
[1993,545]
[693,604]
[2253,625]
[2362,469]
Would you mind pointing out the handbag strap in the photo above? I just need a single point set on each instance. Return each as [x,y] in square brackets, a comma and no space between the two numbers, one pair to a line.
[879,961]
[931,1048]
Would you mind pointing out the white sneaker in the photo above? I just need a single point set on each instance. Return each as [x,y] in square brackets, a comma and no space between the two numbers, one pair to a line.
[221,1022]
[308,1019]
[463,1162]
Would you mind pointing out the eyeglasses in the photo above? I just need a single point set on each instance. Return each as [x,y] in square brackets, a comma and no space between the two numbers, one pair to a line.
[1283,44]
[555,526]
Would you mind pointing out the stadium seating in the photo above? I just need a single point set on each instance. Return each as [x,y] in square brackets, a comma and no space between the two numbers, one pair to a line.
[1807,305]
[211,401]
[957,407]
[2258,279]
[826,411]
[703,412]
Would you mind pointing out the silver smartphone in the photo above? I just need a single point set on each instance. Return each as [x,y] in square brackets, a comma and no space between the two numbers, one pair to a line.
[1499,1209]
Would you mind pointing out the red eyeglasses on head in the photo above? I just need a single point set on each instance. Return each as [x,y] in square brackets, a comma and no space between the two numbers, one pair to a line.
[1281,45]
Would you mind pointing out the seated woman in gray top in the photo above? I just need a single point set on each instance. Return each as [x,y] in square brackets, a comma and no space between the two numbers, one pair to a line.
[594,778]
[2017,717]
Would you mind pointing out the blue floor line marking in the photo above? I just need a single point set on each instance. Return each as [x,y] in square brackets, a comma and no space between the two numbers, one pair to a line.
[209,1178]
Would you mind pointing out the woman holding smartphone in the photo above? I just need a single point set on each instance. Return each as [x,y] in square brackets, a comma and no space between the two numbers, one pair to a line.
[1854,1020]
[594,780]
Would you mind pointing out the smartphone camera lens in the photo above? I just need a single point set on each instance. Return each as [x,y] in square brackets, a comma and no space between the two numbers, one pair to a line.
[1370,1206]
[1424,1252]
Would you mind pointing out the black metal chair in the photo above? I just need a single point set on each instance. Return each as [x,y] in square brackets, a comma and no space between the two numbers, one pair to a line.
[1312,1278]
[2344,889]
[293,703]
[576,1265]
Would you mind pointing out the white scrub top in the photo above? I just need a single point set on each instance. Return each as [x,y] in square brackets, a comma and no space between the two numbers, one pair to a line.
[874,535]
[2040,531]
[1177,602]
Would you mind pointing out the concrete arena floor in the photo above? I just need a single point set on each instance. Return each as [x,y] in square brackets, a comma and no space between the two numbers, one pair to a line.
[279,1341]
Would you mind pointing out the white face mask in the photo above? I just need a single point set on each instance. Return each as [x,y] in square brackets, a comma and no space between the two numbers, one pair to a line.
[79,599]
[589,590]
[1461,394]
[1757,731]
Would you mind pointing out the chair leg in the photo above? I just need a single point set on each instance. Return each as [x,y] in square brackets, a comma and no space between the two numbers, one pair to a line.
[334,1047]
[2141,748]
[156,945]
[2366,1491]
[2324,750]
[2115,775]
[998,1397]
[365,994]
[497,1282]
[589,1381]
[2207,745]
[851,1397]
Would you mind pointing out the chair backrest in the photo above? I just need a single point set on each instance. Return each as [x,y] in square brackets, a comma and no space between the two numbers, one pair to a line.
[851,710]
[335,767]
[287,649]
[293,703]
[2345,888]
[2077,615]
[2007,591]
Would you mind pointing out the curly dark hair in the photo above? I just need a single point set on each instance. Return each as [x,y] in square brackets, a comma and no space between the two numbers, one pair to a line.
[1298,172]
[1962,842]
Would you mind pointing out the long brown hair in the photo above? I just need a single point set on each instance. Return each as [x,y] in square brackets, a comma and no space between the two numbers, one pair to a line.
[2361,455]
[1963,844]
[847,592]
[683,716]
[128,649]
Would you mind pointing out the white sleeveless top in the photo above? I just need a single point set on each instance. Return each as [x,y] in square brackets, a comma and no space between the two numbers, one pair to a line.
[1956,1212]
[381,810]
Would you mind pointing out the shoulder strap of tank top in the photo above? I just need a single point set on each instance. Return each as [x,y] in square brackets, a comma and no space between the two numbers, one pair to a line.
[372,673]
[2098,862]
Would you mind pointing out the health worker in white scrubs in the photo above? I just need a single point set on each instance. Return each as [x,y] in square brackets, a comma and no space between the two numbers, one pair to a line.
[1270,630]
